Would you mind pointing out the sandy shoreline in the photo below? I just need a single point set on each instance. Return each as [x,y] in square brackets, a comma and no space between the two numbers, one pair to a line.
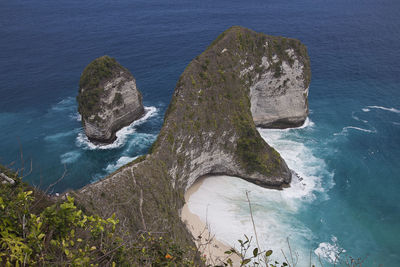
[211,248]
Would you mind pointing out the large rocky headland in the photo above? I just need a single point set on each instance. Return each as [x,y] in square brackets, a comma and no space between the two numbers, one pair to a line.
[108,99]
[243,79]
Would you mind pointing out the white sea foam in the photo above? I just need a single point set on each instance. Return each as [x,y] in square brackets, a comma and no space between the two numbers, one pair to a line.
[70,157]
[141,141]
[366,109]
[307,123]
[357,118]
[57,136]
[345,130]
[83,141]
[300,159]
[120,162]
[65,104]
[329,251]
[221,200]
[75,116]
[385,108]
[396,123]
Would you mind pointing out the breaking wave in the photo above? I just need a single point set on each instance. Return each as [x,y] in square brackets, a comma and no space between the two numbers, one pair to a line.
[83,141]
[221,200]
[120,162]
[329,251]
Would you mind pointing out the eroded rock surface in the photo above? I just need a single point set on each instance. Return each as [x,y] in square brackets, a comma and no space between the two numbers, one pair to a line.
[279,90]
[108,99]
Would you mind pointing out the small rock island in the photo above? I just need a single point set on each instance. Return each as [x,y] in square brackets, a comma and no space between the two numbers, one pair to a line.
[108,99]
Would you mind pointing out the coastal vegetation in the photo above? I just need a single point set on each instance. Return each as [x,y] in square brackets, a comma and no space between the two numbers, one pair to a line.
[39,230]
[92,77]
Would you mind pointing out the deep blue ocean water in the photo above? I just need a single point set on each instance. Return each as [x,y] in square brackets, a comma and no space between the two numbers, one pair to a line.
[354,99]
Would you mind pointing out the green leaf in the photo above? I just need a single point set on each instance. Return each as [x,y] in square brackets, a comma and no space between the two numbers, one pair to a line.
[246,261]
[255,252]
[268,253]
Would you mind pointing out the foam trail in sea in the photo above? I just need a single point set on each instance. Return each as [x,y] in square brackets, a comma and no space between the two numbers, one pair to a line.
[67,104]
[221,200]
[83,141]
[70,157]
[120,162]
[357,118]
[56,137]
[385,108]
[345,130]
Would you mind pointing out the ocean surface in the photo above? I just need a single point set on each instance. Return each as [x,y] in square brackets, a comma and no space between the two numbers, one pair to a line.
[347,154]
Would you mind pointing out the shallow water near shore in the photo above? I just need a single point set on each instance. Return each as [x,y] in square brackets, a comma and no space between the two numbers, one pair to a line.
[294,216]
[348,156]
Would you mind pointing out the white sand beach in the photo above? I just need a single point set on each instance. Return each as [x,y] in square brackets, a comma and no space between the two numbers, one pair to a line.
[212,249]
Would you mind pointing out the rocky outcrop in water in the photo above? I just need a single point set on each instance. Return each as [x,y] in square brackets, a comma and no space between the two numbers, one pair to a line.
[209,129]
[108,99]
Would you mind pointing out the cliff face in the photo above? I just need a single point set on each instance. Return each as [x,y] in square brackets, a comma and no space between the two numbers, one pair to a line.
[208,129]
[108,99]
[279,92]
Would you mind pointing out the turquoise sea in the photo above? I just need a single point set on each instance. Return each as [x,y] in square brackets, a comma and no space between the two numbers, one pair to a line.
[348,153]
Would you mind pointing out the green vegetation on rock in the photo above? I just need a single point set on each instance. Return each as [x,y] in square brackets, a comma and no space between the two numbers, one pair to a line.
[92,79]
[212,81]
[36,230]
[98,70]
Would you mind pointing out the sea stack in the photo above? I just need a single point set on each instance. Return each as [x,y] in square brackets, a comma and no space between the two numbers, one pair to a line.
[108,99]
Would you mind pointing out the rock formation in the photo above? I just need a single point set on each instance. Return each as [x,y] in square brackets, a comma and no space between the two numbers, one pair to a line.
[279,92]
[108,99]
[5,179]
[209,129]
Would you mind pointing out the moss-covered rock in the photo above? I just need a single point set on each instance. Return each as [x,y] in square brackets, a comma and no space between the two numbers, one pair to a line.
[108,99]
